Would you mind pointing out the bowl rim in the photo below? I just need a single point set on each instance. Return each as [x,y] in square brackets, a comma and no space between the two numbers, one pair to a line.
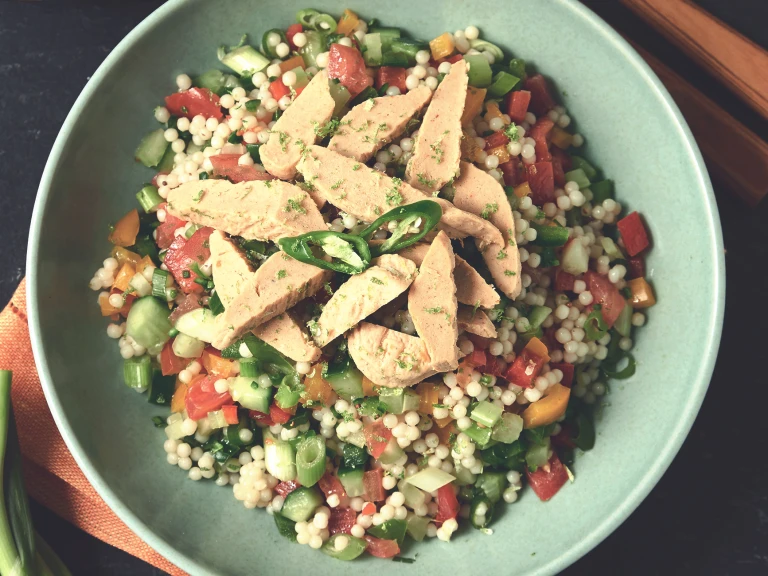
[602,529]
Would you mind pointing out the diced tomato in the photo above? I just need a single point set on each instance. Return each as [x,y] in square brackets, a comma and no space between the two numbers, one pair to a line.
[476,358]
[567,369]
[525,368]
[190,302]
[341,520]
[230,413]
[381,548]
[194,101]
[165,237]
[546,483]
[278,89]
[278,415]
[513,172]
[377,437]
[540,132]
[541,178]
[541,100]
[636,267]
[374,490]
[169,362]
[202,397]
[331,485]
[605,293]
[455,58]
[561,163]
[292,30]
[226,165]
[348,66]
[496,139]
[260,417]
[286,487]
[183,254]
[633,233]
[447,504]
[517,105]
[564,281]
[393,76]
[492,366]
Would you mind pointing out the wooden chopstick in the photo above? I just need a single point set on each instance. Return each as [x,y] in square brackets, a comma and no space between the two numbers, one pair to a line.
[740,64]
[734,153]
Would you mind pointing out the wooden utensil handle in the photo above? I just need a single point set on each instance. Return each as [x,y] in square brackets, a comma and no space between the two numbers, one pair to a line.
[733,152]
[736,61]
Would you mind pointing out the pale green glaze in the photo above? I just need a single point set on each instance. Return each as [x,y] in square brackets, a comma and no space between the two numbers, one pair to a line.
[634,133]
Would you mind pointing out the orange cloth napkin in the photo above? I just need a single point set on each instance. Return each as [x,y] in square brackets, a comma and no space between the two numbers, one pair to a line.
[51,475]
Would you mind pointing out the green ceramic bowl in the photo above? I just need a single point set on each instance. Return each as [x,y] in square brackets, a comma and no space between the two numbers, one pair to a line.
[634,132]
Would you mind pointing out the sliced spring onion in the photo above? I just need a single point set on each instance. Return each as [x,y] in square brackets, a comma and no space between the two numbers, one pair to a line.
[480,512]
[323,23]
[627,372]
[430,479]
[249,368]
[279,458]
[160,281]
[149,198]
[243,60]
[485,46]
[191,230]
[480,74]
[595,327]
[407,47]
[137,371]
[310,460]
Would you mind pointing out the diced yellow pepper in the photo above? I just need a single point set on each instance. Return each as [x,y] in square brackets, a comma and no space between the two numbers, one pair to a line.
[123,277]
[522,190]
[538,347]
[178,400]
[368,387]
[492,111]
[501,152]
[444,433]
[316,387]
[642,293]
[143,264]
[428,396]
[469,148]
[122,256]
[125,231]
[443,422]
[473,104]
[548,409]
[442,46]
[347,23]
[291,64]
[561,138]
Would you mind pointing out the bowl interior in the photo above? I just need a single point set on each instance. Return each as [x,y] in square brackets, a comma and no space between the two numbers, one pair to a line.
[633,132]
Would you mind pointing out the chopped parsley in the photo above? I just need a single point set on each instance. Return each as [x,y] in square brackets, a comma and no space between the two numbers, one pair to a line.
[437,148]
[328,129]
[199,196]
[488,210]
[337,184]
[377,281]
[294,205]
[501,255]
[356,167]
[393,197]
[281,274]
[509,273]
[375,138]
[540,215]
[328,289]
[435,310]
[512,132]
[283,141]
[424,181]
[377,211]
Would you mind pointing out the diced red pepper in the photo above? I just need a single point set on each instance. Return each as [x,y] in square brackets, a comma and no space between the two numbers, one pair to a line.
[561,163]
[541,178]
[286,487]
[260,417]
[348,66]
[183,254]
[190,302]
[165,236]
[278,415]
[447,504]
[331,485]
[541,100]
[381,548]
[202,397]
[342,520]
[492,366]
[374,489]
[278,89]
[513,171]
[517,105]
[193,102]
[376,437]
[455,58]
[496,139]
[392,75]
[292,30]
[564,438]
[127,301]
[605,293]
[564,281]
[540,133]
[567,369]
[230,414]
[633,233]
[546,483]
[525,369]
[636,267]
[169,362]
[476,358]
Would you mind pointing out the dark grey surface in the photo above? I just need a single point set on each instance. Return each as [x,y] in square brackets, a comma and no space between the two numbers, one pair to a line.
[707,516]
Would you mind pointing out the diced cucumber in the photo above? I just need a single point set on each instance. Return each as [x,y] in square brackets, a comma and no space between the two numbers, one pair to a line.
[389,530]
[137,372]
[480,74]
[353,457]
[481,436]
[149,198]
[464,476]
[161,389]
[538,315]
[578,162]
[352,480]
[399,400]
[623,323]
[387,35]
[577,175]
[413,496]
[345,379]
[199,323]
[187,347]
[492,484]
[373,46]
[358,439]
[392,453]
[243,60]
[396,59]
[417,527]
[249,394]
[213,79]
[407,47]
[508,428]
[486,413]
[285,527]
[300,504]
[167,161]
[286,397]
[148,323]
[355,547]
[152,148]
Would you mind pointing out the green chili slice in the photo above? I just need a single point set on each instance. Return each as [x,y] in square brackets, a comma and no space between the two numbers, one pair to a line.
[317,21]
[350,254]
[595,327]
[627,372]
[304,17]
[550,235]
[429,212]
[271,50]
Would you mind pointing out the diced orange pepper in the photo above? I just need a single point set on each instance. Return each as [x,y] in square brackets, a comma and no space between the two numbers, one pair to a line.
[539,348]
[501,152]
[126,230]
[548,409]
[492,111]
[317,388]
[106,308]
[123,278]
[347,23]
[442,46]
[217,365]
[291,63]
[368,387]
[561,138]
[443,422]
[642,293]
[445,432]
[473,104]
[179,397]
[428,396]
[469,148]
[523,190]
[122,256]
[143,264]
[464,373]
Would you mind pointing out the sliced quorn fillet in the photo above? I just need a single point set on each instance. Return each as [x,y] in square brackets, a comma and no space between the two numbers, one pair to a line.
[297,128]
[389,358]
[432,304]
[279,283]
[362,295]
[231,270]
[471,288]
[476,322]
[371,125]
[286,335]
[479,193]
[257,210]
[437,150]
[367,194]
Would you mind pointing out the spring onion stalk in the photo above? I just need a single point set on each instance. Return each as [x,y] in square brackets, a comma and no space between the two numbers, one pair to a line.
[503,82]
[160,281]
[149,198]
[249,368]
[279,458]
[191,230]
[310,460]
[430,479]
[485,46]
[137,372]
[480,74]
[595,327]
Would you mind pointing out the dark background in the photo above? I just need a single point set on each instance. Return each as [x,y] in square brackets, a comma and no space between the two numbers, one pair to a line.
[709,513]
